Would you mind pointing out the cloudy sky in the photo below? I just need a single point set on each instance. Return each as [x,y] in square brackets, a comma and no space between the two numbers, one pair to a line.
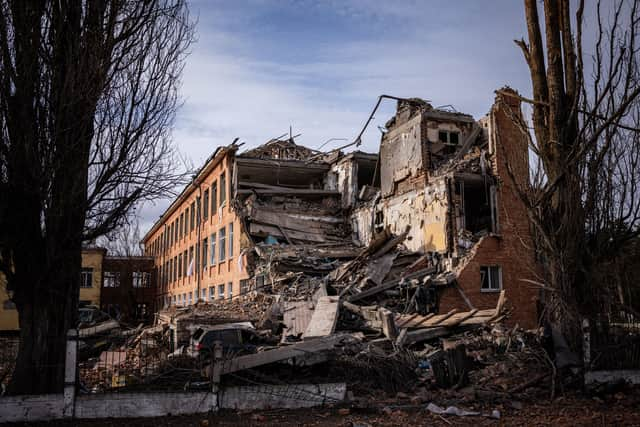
[260,66]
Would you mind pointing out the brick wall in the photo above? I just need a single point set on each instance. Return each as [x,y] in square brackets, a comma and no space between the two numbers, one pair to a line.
[512,249]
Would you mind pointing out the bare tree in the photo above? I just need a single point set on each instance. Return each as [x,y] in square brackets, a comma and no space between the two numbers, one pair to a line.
[88,93]
[124,241]
[584,202]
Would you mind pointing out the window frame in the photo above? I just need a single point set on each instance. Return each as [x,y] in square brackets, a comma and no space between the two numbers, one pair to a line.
[491,270]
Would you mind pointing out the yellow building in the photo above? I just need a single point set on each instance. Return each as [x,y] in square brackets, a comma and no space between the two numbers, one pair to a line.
[91,276]
[90,284]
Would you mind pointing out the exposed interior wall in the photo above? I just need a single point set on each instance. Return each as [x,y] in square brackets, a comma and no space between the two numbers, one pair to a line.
[401,154]
[425,211]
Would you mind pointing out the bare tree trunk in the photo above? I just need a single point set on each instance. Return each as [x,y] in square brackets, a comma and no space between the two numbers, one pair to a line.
[88,93]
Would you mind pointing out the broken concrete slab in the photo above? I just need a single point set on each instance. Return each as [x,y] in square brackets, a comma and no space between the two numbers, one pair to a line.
[324,318]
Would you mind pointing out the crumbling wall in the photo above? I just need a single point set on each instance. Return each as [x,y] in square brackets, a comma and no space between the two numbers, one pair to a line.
[425,211]
[363,223]
[401,154]
[346,173]
[512,248]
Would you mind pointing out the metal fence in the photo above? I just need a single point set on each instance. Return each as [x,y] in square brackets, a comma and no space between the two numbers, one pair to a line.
[614,342]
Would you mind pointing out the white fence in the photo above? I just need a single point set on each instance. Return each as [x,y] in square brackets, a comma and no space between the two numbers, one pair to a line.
[72,405]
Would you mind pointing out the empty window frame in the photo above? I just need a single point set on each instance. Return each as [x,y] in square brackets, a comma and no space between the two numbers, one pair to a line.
[230,289]
[449,137]
[222,236]
[86,277]
[180,268]
[212,293]
[490,278]
[221,291]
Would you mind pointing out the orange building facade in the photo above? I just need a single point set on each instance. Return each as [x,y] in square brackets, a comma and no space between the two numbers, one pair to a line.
[196,243]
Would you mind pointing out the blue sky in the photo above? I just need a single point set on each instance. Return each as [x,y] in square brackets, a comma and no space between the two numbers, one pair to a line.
[260,66]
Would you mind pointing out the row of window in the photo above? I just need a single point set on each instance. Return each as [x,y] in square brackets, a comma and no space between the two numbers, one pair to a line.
[208,294]
[215,248]
[191,217]
[139,279]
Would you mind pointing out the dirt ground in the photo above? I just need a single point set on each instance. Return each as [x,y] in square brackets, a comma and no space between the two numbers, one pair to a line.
[616,410]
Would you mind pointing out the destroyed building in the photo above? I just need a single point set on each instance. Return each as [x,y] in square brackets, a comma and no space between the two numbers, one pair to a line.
[299,220]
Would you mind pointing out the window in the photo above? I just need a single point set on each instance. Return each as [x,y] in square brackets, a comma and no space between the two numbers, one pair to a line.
[190,267]
[175,230]
[205,205]
[230,240]
[230,289]
[175,268]
[140,279]
[185,262]
[180,265]
[214,197]
[490,278]
[221,291]
[205,246]
[193,216]
[212,255]
[448,137]
[221,244]
[111,279]
[223,188]
[198,211]
[181,224]
[244,286]
[186,221]
[212,293]
[204,294]
[190,301]
[86,278]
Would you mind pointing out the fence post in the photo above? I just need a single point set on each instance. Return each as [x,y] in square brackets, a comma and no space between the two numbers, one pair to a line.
[586,343]
[70,367]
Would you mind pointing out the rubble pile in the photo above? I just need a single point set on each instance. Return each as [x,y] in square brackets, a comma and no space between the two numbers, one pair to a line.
[347,312]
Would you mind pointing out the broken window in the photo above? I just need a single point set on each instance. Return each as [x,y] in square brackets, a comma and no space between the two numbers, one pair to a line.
[230,240]
[230,289]
[221,291]
[212,293]
[490,278]
[448,137]
[86,277]
[180,265]
[185,263]
[476,204]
